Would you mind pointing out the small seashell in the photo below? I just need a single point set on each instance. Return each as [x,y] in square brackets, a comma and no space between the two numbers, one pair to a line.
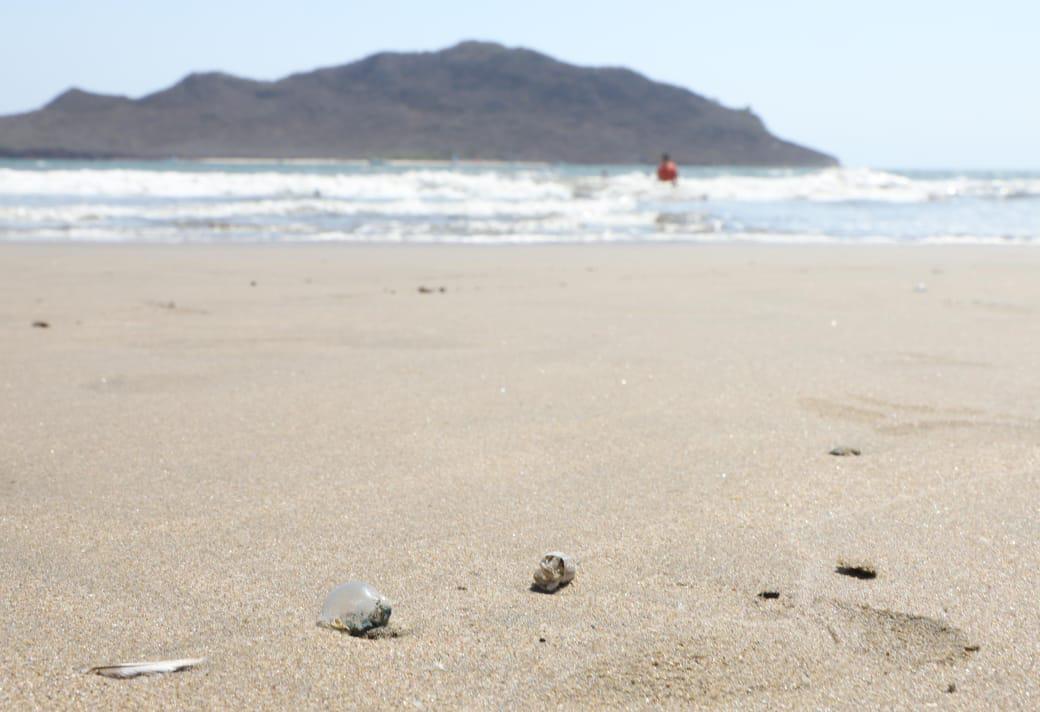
[159,667]
[355,607]
[556,569]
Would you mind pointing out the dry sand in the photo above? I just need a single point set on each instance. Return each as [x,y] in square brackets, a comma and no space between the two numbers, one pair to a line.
[190,462]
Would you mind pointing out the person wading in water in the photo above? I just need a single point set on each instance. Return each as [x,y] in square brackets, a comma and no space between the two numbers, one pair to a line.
[667,171]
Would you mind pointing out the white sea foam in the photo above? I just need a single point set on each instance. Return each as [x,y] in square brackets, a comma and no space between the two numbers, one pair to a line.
[182,202]
[850,184]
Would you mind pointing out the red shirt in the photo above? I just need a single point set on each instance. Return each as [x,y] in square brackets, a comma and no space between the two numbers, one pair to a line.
[667,171]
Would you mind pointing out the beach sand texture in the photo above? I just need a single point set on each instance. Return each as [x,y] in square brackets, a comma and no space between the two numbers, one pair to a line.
[191,461]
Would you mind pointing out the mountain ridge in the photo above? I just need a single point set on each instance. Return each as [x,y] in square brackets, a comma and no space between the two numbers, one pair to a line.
[474,100]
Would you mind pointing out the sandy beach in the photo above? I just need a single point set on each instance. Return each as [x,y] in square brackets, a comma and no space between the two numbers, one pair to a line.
[205,439]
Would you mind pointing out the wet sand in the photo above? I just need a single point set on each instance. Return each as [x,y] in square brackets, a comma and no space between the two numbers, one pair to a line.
[190,461]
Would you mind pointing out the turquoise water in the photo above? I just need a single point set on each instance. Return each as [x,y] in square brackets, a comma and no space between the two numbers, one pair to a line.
[485,203]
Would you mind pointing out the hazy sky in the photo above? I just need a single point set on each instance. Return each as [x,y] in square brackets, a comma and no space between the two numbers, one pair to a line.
[887,83]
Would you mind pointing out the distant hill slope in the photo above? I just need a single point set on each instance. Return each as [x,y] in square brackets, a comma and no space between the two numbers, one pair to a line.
[475,100]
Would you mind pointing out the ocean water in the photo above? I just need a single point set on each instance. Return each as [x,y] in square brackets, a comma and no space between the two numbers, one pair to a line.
[468,203]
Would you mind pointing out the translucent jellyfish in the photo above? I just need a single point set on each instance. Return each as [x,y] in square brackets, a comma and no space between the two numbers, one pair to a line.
[355,607]
[556,569]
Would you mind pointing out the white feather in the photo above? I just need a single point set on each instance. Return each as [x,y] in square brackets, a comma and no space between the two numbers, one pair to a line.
[158,667]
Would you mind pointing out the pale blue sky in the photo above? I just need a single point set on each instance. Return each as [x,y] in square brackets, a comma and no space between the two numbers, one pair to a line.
[910,83]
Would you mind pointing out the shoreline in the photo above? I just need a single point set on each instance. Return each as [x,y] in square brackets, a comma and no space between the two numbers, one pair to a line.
[721,243]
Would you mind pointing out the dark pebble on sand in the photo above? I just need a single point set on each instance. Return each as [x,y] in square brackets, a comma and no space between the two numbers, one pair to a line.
[844,451]
[864,572]
[41,325]
[431,290]
[769,595]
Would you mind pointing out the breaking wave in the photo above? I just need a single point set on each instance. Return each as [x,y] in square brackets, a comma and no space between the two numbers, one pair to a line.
[175,202]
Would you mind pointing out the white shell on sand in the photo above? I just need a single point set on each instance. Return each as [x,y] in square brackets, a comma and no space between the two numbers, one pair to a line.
[355,607]
[554,570]
[158,667]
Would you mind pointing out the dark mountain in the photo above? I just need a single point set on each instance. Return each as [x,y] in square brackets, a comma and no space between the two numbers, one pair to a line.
[474,100]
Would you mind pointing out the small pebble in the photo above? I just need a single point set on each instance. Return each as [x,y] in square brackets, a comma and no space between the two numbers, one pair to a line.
[41,324]
[354,607]
[843,451]
[855,569]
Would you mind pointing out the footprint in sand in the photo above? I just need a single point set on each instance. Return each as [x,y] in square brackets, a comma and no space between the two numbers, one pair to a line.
[893,639]
[895,418]
[816,646]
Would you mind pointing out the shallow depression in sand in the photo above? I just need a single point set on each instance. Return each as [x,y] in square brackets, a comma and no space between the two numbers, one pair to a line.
[818,645]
